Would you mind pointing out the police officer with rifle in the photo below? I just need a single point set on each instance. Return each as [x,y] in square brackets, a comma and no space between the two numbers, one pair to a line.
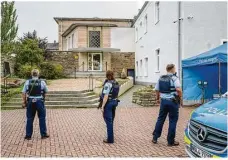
[168,93]
[33,95]
[108,104]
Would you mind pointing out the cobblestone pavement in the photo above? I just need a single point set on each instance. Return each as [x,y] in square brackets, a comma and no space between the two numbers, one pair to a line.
[126,98]
[78,84]
[79,133]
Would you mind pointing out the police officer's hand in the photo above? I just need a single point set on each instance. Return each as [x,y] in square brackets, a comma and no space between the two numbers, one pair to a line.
[102,109]
[158,101]
[23,104]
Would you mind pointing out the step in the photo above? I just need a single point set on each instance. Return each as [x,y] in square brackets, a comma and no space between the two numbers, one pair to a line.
[67,92]
[63,98]
[66,95]
[81,74]
[55,106]
[57,102]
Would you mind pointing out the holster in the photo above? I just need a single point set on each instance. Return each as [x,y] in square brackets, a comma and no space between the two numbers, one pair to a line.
[176,99]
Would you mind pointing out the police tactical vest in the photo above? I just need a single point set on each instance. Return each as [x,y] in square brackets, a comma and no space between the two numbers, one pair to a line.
[34,88]
[114,92]
[165,84]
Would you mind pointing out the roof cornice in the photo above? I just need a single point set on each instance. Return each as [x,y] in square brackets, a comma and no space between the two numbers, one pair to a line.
[92,19]
[140,11]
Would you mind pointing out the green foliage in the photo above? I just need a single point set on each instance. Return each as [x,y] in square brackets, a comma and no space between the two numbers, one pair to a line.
[42,42]
[51,70]
[25,70]
[9,27]
[29,53]
[11,92]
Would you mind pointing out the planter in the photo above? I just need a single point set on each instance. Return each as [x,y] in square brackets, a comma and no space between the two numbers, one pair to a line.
[145,97]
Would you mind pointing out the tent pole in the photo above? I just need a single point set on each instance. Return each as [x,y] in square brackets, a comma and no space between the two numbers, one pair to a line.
[219,78]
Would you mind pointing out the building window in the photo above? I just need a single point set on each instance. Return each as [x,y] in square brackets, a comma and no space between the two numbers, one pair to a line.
[156,14]
[145,24]
[158,60]
[137,68]
[141,29]
[94,39]
[146,67]
[141,68]
[136,34]
[66,40]
[223,41]
[72,40]
[69,44]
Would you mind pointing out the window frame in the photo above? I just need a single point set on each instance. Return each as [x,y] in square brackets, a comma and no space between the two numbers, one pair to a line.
[137,69]
[146,71]
[141,27]
[141,67]
[157,54]
[146,23]
[156,12]
[69,42]
[136,34]
[224,40]
[72,40]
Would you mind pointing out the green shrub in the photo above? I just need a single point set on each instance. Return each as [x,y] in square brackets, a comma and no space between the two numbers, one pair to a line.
[51,70]
[11,92]
[25,71]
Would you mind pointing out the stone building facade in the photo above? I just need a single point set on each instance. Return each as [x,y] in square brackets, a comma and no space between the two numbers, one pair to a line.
[94,45]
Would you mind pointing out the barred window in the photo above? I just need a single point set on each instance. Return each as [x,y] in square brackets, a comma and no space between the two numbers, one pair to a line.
[94,39]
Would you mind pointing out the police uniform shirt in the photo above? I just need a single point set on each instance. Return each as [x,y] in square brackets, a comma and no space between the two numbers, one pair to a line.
[174,82]
[107,88]
[26,87]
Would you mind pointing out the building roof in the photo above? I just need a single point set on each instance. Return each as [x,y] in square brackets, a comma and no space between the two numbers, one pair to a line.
[73,26]
[92,19]
[140,11]
[52,46]
[89,49]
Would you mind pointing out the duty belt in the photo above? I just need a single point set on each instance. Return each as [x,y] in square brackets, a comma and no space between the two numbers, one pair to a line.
[112,98]
[170,99]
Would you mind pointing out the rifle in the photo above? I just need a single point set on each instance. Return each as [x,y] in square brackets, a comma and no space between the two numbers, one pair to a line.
[100,103]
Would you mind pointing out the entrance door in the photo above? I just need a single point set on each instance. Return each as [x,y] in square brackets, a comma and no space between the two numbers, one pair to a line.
[131,72]
[94,62]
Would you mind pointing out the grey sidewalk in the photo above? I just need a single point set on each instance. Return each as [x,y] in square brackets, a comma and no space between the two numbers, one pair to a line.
[126,98]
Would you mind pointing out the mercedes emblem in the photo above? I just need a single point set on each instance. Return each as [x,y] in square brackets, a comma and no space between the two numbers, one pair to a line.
[201,134]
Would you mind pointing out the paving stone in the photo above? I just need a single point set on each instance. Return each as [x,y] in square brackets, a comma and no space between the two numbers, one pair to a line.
[79,133]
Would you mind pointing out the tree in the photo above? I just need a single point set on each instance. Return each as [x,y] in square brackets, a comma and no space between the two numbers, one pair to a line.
[42,42]
[29,53]
[9,27]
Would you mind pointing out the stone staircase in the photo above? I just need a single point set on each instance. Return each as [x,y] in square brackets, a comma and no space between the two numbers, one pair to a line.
[61,99]
[81,74]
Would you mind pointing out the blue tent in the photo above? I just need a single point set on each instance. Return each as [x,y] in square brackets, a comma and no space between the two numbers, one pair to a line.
[210,66]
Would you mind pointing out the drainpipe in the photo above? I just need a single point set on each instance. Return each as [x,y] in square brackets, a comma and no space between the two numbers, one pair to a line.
[179,42]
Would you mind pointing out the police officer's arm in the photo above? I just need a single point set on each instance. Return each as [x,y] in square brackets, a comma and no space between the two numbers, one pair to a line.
[157,91]
[106,91]
[24,90]
[178,87]
[45,89]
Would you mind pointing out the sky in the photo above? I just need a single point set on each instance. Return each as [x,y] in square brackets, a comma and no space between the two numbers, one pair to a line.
[39,15]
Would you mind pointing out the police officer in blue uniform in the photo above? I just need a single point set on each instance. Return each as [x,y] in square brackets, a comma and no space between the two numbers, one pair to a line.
[169,93]
[33,95]
[109,103]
